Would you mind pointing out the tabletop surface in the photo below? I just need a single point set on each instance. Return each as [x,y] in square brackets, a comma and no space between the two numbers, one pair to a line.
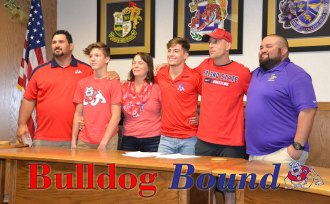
[203,164]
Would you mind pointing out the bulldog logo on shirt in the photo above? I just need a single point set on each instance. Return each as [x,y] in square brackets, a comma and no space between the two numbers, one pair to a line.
[181,87]
[93,97]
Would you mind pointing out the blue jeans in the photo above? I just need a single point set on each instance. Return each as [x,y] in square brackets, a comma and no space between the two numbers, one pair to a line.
[149,144]
[172,145]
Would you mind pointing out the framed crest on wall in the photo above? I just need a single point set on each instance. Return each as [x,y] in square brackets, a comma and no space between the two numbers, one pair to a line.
[305,23]
[194,18]
[127,27]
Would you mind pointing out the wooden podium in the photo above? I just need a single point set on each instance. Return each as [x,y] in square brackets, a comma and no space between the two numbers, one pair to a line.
[64,161]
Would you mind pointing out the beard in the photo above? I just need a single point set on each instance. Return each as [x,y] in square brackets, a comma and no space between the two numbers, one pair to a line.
[58,54]
[269,63]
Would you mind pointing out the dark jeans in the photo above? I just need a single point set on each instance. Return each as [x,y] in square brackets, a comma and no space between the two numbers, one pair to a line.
[149,144]
[203,148]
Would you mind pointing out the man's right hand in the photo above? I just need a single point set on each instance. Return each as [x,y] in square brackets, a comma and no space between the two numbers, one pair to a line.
[25,112]
[73,146]
[112,75]
[22,131]
[81,124]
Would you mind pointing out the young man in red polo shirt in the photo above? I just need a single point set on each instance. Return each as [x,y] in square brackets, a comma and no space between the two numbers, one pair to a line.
[50,91]
[179,87]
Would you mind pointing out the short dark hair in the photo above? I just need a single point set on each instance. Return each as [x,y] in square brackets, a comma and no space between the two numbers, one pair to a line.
[64,32]
[99,45]
[147,59]
[283,39]
[181,41]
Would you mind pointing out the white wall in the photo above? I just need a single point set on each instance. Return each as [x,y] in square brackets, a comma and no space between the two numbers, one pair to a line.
[79,17]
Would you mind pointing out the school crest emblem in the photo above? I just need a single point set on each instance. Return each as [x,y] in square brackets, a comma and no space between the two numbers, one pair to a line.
[303,16]
[207,16]
[125,24]
[272,77]
[122,24]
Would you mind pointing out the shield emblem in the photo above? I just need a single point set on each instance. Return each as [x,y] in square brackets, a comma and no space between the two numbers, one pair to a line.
[308,11]
[301,7]
[122,25]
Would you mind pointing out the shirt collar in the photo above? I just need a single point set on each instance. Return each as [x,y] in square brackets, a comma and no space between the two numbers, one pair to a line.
[185,72]
[73,63]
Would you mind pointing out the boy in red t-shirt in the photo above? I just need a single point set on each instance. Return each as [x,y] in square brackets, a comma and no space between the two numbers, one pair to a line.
[98,103]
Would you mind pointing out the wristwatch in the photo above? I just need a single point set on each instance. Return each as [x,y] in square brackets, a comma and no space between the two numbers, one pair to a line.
[298,146]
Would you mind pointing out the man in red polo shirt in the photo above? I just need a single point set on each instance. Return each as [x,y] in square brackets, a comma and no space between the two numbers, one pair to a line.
[179,87]
[50,91]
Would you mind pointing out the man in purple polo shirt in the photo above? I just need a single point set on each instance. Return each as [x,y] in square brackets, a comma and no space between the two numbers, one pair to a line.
[281,106]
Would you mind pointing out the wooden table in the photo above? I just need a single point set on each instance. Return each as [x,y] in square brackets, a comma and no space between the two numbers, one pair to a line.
[5,168]
[315,194]
[63,161]
[13,146]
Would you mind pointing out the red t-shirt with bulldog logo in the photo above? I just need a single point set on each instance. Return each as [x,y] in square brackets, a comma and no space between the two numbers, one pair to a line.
[97,96]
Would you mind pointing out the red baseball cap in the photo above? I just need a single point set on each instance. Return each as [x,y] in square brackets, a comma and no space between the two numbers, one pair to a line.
[218,34]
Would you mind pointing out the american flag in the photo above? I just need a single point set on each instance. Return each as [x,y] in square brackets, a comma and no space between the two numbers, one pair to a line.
[34,52]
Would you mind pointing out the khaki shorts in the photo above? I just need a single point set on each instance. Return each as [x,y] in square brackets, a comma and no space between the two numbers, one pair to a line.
[64,144]
[281,156]
[112,144]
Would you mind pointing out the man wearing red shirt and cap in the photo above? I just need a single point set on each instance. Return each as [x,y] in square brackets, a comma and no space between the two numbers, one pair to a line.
[224,83]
